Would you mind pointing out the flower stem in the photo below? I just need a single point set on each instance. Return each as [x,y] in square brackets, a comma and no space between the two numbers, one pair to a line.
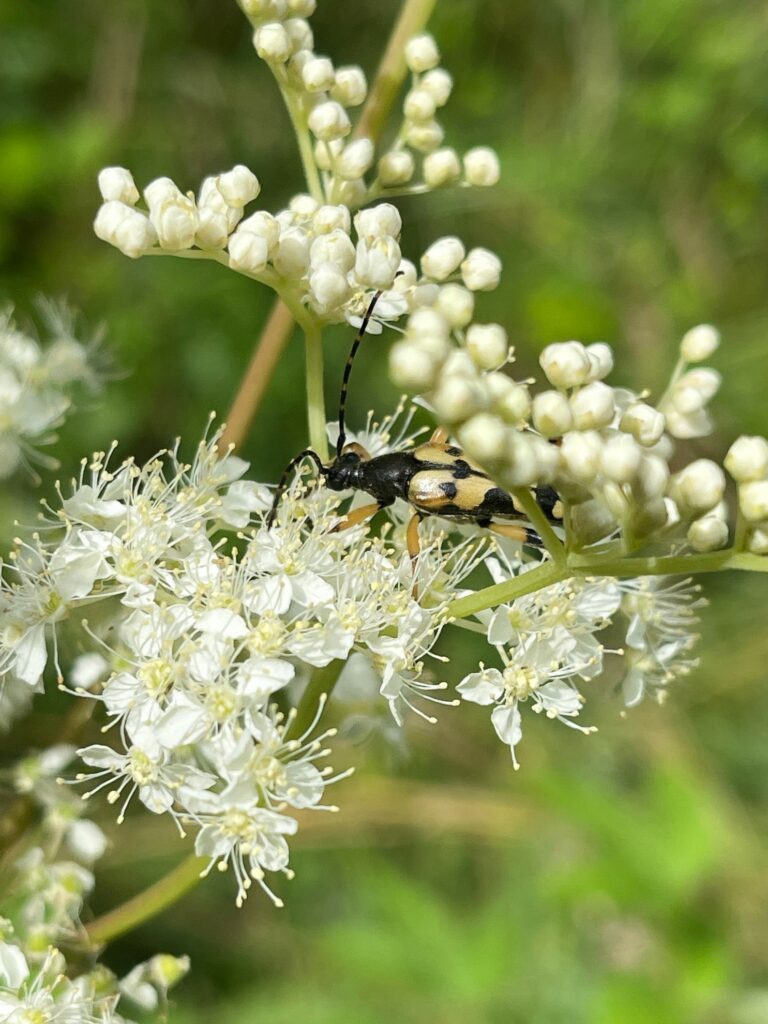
[266,356]
[414,15]
[537,517]
[304,141]
[320,686]
[147,904]
[315,396]
[543,575]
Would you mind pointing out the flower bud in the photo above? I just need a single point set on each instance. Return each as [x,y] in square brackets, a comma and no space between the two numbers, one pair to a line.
[694,389]
[484,436]
[376,262]
[248,251]
[438,83]
[757,540]
[378,222]
[239,186]
[299,33]
[266,226]
[427,321]
[699,486]
[441,168]
[331,218]
[581,453]
[336,247]
[698,344]
[522,467]
[753,500]
[442,258]
[424,136]
[326,153]
[411,368]
[355,159]
[396,167]
[456,304]
[212,229]
[351,193]
[292,256]
[329,286]
[304,207]
[620,458]
[488,345]
[481,166]
[566,364]
[302,8]
[127,229]
[438,346]
[421,53]
[173,215]
[481,270]
[407,276]
[419,105]
[459,364]
[329,121]
[653,476]
[514,405]
[117,183]
[710,533]
[456,399]
[551,414]
[747,459]
[349,87]
[591,521]
[272,42]
[317,74]
[644,423]
[600,360]
[592,406]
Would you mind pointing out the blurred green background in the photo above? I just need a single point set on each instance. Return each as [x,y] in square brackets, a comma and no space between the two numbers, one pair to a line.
[622,877]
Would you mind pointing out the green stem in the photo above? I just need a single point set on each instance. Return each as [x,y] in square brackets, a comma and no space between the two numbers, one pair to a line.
[304,140]
[537,517]
[544,575]
[315,396]
[319,687]
[147,904]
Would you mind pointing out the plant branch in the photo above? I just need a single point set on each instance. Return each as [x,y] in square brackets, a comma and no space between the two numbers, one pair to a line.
[538,519]
[392,69]
[319,687]
[315,394]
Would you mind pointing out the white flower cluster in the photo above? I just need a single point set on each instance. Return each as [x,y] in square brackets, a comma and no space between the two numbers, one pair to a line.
[747,462]
[43,897]
[201,638]
[38,383]
[607,451]
[553,639]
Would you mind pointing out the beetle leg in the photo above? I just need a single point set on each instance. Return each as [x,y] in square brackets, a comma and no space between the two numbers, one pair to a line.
[356,516]
[412,540]
[523,534]
[440,436]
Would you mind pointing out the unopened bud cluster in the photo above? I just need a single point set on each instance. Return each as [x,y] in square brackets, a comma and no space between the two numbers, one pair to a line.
[747,462]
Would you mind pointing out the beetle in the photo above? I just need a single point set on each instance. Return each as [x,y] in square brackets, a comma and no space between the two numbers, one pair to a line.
[435,478]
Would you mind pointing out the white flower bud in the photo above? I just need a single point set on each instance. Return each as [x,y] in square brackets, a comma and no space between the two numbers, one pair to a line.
[212,229]
[438,83]
[424,294]
[292,256]
[438,346]
[747,459]
[302,8]
[600,360]
[317,74]
[653,476]
[709,533]
[248,251]
[566,364]
[484,436]
[522,466]
[424,136]
[407,276]
[331,218]
[442,258]
[547,458]
[304,206]
[581,453]
[260,9]
[644,423]
[514,405]
[396,167]
[441,168]
[376,262]
[651,516]
[419,105]
[456,399]
[411,368]
[481,270]
[620,458]
[456,304]
[266,226]
[329,121]
[127,229]
[699,486]
[488,345]
[427,321]
[421,53]
[699,343]
[481,166]
[593,406]
[329,286]
[753,500]
[272,42]
[239,186]
[352,193]
[336,247]
[117,183]
[326,153]
[757,540]
[355,159]
[173,215]
[378,222]
[694,389]
[591,521]
[552,414]
[349,87]
[299,33]
[459,364]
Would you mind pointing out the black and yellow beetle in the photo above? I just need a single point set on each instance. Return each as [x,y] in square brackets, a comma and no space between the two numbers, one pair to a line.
[435,478]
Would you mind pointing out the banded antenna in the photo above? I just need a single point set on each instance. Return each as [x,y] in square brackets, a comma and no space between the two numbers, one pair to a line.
[342,440]
[282,483]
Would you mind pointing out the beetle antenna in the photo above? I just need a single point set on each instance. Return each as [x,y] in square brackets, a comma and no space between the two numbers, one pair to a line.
[348,368]
[282,483]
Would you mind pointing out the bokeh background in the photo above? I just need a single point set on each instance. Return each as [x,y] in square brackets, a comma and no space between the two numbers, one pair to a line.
[622,877]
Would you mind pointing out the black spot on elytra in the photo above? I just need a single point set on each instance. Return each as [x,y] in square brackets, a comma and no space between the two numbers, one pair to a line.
[461,469]
[449,489]
[453,450]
